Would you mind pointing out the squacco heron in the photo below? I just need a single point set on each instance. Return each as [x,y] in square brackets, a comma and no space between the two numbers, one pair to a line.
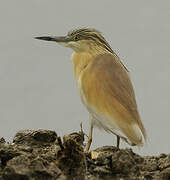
[104,86]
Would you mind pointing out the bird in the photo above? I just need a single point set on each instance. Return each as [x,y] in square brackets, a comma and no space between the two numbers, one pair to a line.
[104,86]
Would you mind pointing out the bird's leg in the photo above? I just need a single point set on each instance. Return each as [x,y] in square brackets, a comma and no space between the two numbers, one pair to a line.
[90,136]
[118,141]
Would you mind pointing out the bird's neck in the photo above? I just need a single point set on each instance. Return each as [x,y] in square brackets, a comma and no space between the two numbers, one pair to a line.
[81,58]
[80,61]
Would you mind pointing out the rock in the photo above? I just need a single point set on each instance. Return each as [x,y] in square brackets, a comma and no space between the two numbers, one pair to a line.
[2,140]
[38,137]
[42,155]
[71,158]
[27,167]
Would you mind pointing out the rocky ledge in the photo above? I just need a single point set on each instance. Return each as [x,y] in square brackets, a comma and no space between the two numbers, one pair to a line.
[42,155]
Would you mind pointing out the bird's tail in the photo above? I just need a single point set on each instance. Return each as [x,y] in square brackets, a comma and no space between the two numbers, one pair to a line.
[135,135]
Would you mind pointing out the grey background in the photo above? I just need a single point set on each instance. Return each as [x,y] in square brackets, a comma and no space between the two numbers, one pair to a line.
[37,86]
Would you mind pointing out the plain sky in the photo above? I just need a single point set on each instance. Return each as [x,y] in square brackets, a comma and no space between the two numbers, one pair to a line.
[37,86]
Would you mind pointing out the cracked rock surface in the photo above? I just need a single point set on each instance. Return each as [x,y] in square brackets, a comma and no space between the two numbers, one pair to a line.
[42,155]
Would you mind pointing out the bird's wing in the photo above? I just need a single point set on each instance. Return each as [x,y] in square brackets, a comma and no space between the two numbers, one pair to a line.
[107,87]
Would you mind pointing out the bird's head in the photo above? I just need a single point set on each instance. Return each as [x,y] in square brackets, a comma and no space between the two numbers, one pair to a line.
[84,39]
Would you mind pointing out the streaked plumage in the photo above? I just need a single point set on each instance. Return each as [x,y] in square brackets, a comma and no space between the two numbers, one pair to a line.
[104,86]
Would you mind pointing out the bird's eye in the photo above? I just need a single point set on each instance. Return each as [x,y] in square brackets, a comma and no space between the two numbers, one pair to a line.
[76,38]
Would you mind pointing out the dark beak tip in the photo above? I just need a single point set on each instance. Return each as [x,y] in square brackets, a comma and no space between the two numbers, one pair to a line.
[46,38]
[37,38]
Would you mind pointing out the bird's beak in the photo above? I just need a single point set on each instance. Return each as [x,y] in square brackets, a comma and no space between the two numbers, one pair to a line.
[59,39]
